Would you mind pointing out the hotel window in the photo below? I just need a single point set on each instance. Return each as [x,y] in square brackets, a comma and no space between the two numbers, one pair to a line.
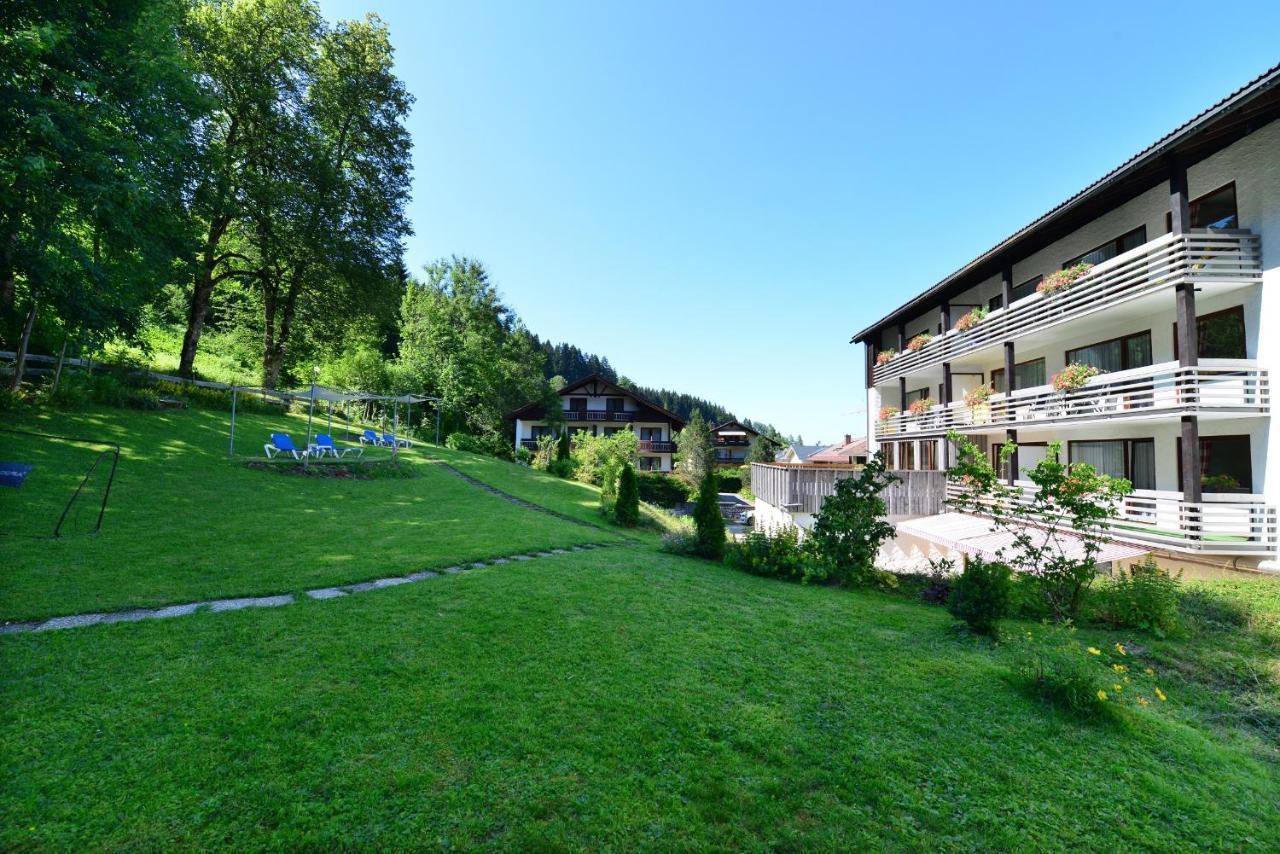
[995,302]
[887,450]
[1219,335]
[1025,375]
[1112,248]
[1225,464]
[929,456]
[1025,289]
[1118,354]
[906,456]
[917,394]
[1132,459]
[1212,210]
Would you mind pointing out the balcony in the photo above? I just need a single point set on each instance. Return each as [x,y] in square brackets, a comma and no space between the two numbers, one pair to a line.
[1209,260]
[1222,523]
[581,415]
[1215,386]
[734,442]
[653,446]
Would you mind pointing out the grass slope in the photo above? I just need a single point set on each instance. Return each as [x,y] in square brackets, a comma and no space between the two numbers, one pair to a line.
[612,699]
[184,523]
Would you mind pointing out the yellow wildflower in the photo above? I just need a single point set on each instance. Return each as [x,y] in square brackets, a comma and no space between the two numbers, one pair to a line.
[1119,668]
[1161,695]
[1151,671]
[1118,687]
[1093,650]
[1142,701]
[1120,649]
[1102,695]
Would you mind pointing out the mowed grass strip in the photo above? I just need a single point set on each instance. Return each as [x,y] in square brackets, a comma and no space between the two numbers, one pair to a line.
[617,698]
[184,523]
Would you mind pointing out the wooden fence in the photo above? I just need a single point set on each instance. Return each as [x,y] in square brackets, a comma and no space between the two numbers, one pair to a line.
[803,488]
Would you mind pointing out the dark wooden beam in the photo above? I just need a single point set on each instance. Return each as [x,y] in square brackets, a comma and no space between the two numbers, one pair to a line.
[871,364]
[1191,474]
[1188,339]
[902,392]
[902,337]
[946,383]
[1006,284]
[1009,365]
[1179,201]
[944,317]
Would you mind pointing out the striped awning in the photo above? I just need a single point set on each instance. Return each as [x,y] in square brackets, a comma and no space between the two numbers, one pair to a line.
[974,535]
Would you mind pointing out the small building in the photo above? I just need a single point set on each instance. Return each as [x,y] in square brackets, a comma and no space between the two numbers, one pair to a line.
[796,453]
[601,408]
[733,442]
[850,452]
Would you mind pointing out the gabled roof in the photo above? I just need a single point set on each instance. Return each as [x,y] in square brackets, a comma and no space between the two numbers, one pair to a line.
[802,452]
[1253,105]
[738,425]
[616,391]
[841,452]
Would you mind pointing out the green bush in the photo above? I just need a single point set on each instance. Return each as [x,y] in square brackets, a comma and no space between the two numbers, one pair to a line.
[708,521]
[684,543]
[142,398]
[561,468]
[626,509]
[662,490]
[980,596]
[1085,680]
[1145,597]
[851,527]
[777,555]
[730,483]
[216,398]
[489,444]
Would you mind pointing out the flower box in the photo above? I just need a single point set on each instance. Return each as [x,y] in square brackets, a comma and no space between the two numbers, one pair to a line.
[919,341]
[884,356]
[1063,279]
[1072,377]
[971,319]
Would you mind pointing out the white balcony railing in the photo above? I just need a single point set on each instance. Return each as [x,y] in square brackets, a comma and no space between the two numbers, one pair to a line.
[1203,258]
[1222,523]
[1222,385]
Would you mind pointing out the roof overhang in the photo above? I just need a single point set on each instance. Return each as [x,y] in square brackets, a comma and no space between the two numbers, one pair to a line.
[1253,106]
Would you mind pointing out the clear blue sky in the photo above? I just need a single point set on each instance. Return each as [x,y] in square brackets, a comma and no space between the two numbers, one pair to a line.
[716,196]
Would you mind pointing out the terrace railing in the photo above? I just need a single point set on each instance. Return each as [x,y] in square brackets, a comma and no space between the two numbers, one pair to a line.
[1202,258]
[802,489]
[1223,385]
[653,446]
[597,415]
[1222,523]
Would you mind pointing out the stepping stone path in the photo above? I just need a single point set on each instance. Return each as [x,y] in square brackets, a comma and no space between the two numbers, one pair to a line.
[220,605]
[519,502]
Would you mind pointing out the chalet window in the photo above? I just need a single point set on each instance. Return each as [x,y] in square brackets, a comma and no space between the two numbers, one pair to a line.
[1212,210]
[1132,459]
[613,404]
[651,464]
[929,456]
[889,457]
[651,434]
[577,404]
[1226,464]
[1112,248]
[907,455]
[1118,354]
[995,302]
[1025,289]
[1219,335]
[609,431]
[1025,375]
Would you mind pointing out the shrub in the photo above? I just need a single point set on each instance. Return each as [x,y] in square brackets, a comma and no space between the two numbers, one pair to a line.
[708,521]
[980,596]
[1145,597]
[730,483]
[490,444]
[563,447]
[142,398]
[1085,680]
[524,456]
[777,555]
[851,527]
[662,490]
[561,468]
[680,543]
[599,459]
[627,508]
[939,582]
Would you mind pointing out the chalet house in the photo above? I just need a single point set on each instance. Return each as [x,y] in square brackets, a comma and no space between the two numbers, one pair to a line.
[733,442]
[850,452]
[1136,324]
[601,408]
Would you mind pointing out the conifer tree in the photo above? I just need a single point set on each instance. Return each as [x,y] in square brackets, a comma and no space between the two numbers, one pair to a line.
[708,521]
[627,507]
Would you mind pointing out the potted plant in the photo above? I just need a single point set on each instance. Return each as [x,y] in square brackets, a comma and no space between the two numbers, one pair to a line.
[1063,279]
[1072,377]
[978,399]
[1219,483]
[886,413]
[919,341]
[883,357]
[921,406]
[971,319]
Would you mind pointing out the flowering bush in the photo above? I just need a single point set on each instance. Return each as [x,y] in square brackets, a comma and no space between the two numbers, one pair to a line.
[921,406]
[775,555]
[1073,376]
[919,341]
[1063,279]
[884,356]
[979,396]
[1084,679]
[887,412]
[971,319]
[1145,597]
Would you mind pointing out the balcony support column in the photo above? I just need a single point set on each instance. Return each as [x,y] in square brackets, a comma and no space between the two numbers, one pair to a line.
[1006,285]
[1011,436]
[871,365]
[1009,363]
[946,401]
[902,337]
[944,317]
[1179,201]
[1191,474]
[1188,343]
[902,392]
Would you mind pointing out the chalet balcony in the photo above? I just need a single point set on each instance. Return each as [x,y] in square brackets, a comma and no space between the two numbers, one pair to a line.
[574,416]
[734,442]
[1222,523]
[1215,387]
[1212,261]
[653,446]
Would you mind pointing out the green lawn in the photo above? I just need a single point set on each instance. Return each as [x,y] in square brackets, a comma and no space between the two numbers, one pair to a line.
[618,698]
[184,523]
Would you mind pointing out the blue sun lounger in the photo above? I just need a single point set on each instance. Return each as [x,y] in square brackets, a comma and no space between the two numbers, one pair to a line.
[281,444]
[324,445]
[390,440]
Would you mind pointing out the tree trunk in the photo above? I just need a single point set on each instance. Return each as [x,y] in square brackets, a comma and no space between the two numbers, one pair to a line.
[201,293]
[57,373]
[20,358]
[275,339]
[7,291]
